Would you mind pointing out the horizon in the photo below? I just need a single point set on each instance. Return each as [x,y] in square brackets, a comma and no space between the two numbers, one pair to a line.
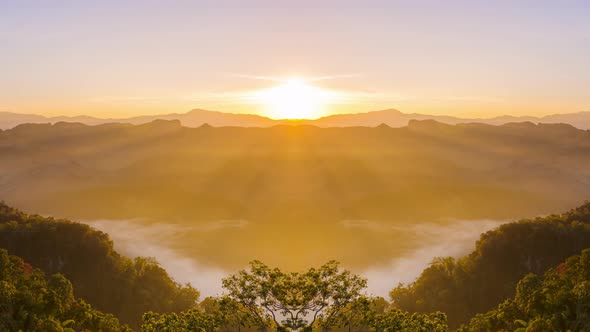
[180,113]
[102,60]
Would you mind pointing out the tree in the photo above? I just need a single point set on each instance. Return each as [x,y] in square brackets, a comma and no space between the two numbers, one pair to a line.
[559,301]
[486,277]
[294,301]
[269,298]
[105,279]
[234,313]
[30,301]
[358,313]
[396,320]
[193,320]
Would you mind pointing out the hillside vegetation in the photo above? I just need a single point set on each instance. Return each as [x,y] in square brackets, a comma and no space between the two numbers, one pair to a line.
[30,301]
[108,281]
[481,280]
[523,276]
[557,301]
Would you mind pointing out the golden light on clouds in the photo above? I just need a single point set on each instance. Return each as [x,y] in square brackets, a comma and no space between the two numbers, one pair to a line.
[295,99]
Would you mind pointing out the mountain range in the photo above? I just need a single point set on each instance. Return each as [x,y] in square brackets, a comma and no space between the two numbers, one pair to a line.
[390,117]
[365,186]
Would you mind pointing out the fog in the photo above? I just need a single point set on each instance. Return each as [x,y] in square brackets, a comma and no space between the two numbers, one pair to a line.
[138,238]
[454,239]
[134,238]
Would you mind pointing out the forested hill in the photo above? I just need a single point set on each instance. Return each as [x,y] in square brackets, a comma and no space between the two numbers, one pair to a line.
[32,301]
[558,301]
[108,281]
[480,281]
[481,290]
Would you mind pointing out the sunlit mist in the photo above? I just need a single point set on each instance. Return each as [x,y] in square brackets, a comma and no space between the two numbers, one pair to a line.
[295,99]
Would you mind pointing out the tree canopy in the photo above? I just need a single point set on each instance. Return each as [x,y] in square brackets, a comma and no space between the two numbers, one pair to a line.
[481,280]
[323,298]
[294,300]
[30,301]
[109,281]
[558,301]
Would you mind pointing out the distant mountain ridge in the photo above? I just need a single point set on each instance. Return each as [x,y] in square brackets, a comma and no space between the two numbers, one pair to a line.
[390,117]
[358,184]
[194,118]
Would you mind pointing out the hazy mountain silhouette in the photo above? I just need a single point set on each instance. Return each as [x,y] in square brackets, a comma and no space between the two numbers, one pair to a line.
[395,118]
[233,184]
[194,118]
[390,117]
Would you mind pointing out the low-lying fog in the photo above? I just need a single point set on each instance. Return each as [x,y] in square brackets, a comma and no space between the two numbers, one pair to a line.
[453,238]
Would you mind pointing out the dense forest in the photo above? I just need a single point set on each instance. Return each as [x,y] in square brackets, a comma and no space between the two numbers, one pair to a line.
[31,301]
[139,292]
[481,280]
[530,275]
[108,281]
[557,301]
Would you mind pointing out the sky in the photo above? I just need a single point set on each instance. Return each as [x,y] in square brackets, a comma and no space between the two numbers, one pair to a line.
[463,58]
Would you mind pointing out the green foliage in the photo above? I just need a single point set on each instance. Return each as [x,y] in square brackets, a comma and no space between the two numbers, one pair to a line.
[357,313]
[392,320]
[294,300]
[396,320]
[31,302]
[192,320]
[233,314]
[110,282]
[317,299]
[213,314]
[560,301]
[503,273]
[480,281]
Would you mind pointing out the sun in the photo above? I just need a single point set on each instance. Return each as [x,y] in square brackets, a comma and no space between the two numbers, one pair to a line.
[295,99]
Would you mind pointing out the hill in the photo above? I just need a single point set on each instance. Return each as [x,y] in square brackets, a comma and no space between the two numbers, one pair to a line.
[395,118]
[390,117]
[483,279]
[557,301]
[194,118]
[487,278]
[31,301]
[108,281]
